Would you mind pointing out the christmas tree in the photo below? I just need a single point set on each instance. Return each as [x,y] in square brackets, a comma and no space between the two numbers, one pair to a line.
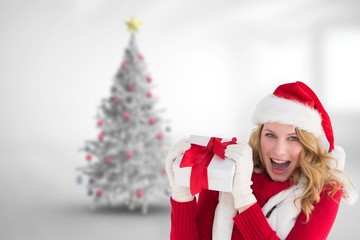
[125,164]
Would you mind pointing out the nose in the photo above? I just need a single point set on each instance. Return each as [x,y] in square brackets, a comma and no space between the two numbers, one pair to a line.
[280,147]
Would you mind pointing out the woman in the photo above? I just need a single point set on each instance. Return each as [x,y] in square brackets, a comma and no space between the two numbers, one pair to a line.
[286,185]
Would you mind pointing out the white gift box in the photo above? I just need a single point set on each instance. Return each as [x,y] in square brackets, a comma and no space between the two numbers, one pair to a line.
[220,171]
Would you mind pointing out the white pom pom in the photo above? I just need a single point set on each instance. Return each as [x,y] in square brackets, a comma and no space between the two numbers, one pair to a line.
[350,194]
[351,197]
[339,154]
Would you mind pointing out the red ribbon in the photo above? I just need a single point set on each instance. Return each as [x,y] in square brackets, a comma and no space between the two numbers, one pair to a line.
[199,157]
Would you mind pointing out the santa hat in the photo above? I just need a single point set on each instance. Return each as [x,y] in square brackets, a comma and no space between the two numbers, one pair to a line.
[296,104]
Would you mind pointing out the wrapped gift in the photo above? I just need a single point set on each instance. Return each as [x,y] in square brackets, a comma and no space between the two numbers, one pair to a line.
[204,165]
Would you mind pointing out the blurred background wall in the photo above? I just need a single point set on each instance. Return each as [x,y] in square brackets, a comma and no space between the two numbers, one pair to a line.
[211,61]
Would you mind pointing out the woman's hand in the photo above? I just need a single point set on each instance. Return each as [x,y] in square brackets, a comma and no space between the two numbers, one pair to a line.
[179,193]
[241,153]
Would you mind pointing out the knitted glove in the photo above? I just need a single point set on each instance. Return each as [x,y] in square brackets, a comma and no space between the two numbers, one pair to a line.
[241,153]
[179,193]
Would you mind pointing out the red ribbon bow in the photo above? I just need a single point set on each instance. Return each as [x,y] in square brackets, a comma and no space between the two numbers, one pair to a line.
[199,157]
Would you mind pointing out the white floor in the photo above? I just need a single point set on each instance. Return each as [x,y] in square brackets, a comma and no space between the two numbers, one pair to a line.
[74,221]
[40,200]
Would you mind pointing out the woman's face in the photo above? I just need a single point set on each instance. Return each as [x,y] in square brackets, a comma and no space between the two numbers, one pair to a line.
[280,150]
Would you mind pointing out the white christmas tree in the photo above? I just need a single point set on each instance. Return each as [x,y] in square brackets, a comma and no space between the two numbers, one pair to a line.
[125,164]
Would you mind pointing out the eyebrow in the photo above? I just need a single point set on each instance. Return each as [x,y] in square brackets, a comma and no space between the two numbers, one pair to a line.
[289,134]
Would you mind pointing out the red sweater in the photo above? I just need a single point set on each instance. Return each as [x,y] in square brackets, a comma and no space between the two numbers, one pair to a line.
[193,220]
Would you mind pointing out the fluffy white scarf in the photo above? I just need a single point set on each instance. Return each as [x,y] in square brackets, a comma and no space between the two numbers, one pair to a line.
[280,210]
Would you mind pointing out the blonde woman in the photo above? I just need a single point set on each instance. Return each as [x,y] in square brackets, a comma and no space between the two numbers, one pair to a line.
[287,185]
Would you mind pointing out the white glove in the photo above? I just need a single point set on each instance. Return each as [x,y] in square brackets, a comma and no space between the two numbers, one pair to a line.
[241,153]
[179,193]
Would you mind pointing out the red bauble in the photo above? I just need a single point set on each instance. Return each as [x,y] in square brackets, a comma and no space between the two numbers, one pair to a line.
[149,79]
[100,123]
[88,157]
[163,172]
[124,63]
[139,193]
[98,192]
[126,115]
[141,57]
[109,160]
[116,100]
[101,136]
[159,135]
[149,94]
[131,88]
[152,121]
[129,154]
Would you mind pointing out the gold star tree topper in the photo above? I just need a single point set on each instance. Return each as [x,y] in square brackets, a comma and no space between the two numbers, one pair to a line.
[133,25]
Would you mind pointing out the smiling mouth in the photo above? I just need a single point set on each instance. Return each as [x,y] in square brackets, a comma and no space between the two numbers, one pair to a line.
[279,165]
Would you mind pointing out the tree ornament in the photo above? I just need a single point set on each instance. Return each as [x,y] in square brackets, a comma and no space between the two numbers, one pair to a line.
[116,100]
[159,135]
[90,192]
[98,192]
[109,160]
[100,123]
[149,94]
[129,154]
[139,193]
[126,115]
[88,157]
[163,172]
[133,25]
[152,121]
[131,88]
[124,63]
[87,148]
[79,179]
[101,136]
[149,79]
[141,57]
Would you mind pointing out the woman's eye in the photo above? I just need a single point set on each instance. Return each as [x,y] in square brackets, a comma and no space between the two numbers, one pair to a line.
[294,138]
[270,135]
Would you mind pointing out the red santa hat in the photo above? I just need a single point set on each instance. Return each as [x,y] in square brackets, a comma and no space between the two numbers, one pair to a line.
[296,104]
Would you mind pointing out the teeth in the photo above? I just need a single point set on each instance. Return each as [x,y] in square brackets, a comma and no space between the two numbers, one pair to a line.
[278,161]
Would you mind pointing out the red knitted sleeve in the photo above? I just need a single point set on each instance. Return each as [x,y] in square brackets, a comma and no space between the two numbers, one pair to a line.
[183,220]
[193,220]
[253,225]
[321,219]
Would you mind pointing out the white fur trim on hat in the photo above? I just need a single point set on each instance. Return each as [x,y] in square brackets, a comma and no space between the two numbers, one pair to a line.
[275,109]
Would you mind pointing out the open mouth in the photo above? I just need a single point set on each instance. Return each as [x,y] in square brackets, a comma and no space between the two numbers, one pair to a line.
[280,165]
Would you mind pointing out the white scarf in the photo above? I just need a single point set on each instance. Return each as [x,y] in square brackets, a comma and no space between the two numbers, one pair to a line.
[282,217]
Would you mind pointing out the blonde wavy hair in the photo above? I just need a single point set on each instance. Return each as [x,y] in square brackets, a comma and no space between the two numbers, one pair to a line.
[313,164]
